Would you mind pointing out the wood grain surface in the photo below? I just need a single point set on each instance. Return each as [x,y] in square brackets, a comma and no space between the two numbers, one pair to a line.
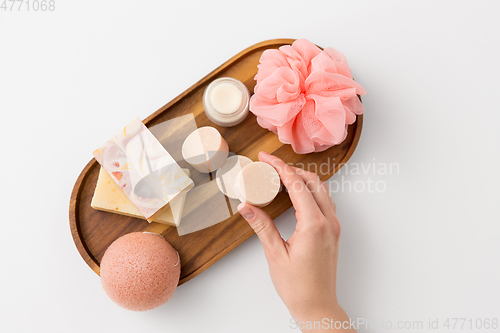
[93,231]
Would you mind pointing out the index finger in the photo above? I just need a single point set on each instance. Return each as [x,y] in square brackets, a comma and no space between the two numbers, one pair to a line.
[302,199]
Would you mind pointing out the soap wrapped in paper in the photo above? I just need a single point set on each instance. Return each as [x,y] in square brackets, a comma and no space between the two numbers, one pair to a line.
[142,168]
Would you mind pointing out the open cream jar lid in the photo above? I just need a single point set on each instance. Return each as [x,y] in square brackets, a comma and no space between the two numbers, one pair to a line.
[225,101]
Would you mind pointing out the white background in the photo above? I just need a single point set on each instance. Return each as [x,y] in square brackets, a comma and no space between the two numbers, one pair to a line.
[427,247]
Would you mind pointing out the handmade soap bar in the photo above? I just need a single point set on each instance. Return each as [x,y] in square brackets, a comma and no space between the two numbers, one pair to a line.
[205,149]
[142,168]
[109,197]
[258,183]
[226,174]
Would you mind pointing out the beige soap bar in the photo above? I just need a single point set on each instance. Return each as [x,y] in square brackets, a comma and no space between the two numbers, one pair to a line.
[258,183]
[226,175]
[205,149]
[110,198]
[144,170]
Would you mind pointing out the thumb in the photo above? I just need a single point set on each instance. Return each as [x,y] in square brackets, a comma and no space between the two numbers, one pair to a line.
[265,229]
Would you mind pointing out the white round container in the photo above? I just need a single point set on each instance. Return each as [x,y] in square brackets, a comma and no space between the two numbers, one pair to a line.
[225,101]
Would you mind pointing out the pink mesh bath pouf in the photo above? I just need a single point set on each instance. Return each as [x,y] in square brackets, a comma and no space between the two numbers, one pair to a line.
[305,95]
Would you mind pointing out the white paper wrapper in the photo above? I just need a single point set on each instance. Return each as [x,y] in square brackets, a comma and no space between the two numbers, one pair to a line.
[142,168]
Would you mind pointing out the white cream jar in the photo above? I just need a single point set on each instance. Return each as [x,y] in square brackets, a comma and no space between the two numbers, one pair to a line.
[225,101]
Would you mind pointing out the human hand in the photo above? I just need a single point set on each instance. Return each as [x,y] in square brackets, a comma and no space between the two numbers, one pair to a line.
[303,268]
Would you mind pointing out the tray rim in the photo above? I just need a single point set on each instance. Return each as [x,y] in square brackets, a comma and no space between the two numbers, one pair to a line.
[76,192]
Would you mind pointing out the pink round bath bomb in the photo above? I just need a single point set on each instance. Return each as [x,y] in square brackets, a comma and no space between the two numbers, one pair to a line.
[140,271]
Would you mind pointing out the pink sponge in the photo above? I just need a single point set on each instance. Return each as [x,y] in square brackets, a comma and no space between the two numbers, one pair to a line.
[305,95]
[140,271]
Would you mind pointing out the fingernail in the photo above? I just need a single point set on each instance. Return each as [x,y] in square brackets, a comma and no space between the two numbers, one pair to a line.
[246,212]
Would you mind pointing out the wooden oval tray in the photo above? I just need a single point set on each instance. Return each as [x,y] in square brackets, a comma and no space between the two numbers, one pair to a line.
[93,231]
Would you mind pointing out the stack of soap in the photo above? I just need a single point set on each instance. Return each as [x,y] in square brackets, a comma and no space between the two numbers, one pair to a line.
[109,197]
[142,169]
